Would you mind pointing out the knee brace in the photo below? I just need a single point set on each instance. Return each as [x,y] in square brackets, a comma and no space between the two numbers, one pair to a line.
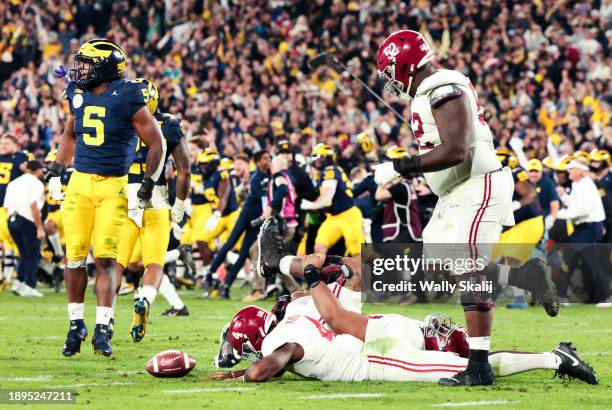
[81,263]
[474,298]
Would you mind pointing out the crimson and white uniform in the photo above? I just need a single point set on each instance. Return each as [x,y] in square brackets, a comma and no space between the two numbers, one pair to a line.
[475,196]
[393,350]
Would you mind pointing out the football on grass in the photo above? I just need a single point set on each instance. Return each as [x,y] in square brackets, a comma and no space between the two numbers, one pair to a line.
[171,363]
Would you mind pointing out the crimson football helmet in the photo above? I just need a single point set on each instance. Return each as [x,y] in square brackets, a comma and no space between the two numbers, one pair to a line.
[247,330]
[445,336]
[399,57]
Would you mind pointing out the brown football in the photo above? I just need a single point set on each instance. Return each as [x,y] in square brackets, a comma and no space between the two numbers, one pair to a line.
[171,363]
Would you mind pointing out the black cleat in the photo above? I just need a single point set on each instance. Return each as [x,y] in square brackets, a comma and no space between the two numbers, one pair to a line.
[101,341]
[573,366]
[76,334]
[532,277]
[176,312]
[271,248]
[476,374]
[224,292]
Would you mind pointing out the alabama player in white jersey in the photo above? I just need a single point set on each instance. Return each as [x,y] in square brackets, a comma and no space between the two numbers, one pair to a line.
[325,336]
[457,157]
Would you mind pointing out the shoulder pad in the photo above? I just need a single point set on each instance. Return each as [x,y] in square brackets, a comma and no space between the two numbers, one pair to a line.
[444,93]
[440,78]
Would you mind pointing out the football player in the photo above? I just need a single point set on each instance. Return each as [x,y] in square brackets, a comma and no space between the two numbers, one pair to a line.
[458,160]
[107,115]
[344,219]
[325,336]
[152,225]
[517,243]
[224,209]
[53,223]
[12,163]
[252,209]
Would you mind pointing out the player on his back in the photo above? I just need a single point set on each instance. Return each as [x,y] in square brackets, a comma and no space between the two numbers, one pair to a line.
[459,163]
[107,115]
[152,225]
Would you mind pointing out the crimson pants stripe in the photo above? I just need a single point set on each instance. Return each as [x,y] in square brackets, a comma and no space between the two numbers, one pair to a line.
[391,359]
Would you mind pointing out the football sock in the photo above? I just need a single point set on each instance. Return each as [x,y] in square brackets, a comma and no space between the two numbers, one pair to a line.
[149,292]
[76,311]
[56,244]
[479,348]
[114,306]
[285,264]
[103,315]
[504,272]
[506,363]
[172,256]
[168,291]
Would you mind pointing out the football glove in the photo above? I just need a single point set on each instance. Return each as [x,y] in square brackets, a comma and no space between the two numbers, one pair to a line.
[212,221]
[55,188]
[178,211]
[177,231]
[385,173]
[145,193]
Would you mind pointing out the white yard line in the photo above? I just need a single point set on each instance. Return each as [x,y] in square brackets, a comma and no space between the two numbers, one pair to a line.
[473,403]
[209,390]
[71,386]
[343,396]
[26,379]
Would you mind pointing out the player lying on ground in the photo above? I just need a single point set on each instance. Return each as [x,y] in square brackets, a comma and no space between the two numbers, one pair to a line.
[324,336]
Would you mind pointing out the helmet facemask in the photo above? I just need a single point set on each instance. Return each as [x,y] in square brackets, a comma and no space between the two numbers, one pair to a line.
[393,86]
[440,327]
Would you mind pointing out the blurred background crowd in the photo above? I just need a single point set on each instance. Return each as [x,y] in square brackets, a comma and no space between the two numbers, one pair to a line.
[542,70]
[236,72]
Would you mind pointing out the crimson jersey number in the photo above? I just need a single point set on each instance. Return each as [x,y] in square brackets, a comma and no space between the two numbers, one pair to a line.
[324,332]
[417,125]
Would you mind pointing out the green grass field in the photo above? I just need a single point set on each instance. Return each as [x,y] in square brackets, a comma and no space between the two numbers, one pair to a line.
[32,333]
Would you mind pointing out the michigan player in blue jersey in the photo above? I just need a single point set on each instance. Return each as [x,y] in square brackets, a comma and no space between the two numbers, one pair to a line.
[54,225]
[12,162]
[219,192]
[107,115]
[344,219]
[152,226]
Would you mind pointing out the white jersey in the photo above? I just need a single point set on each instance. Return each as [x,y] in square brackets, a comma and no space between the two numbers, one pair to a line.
[326,356]
[348,299]
[481,157]
[343,357]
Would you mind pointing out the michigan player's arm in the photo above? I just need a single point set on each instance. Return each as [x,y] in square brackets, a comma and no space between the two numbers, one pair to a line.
[223,192]
[453,116]
[326,193]
[67,144]
[180,155]
[265,369]
[149,132]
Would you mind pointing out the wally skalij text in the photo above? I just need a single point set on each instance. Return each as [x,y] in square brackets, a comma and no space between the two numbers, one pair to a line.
[404,274]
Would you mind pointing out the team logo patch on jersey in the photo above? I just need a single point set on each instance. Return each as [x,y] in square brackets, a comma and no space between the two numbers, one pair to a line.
[77,100]
[391,51]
